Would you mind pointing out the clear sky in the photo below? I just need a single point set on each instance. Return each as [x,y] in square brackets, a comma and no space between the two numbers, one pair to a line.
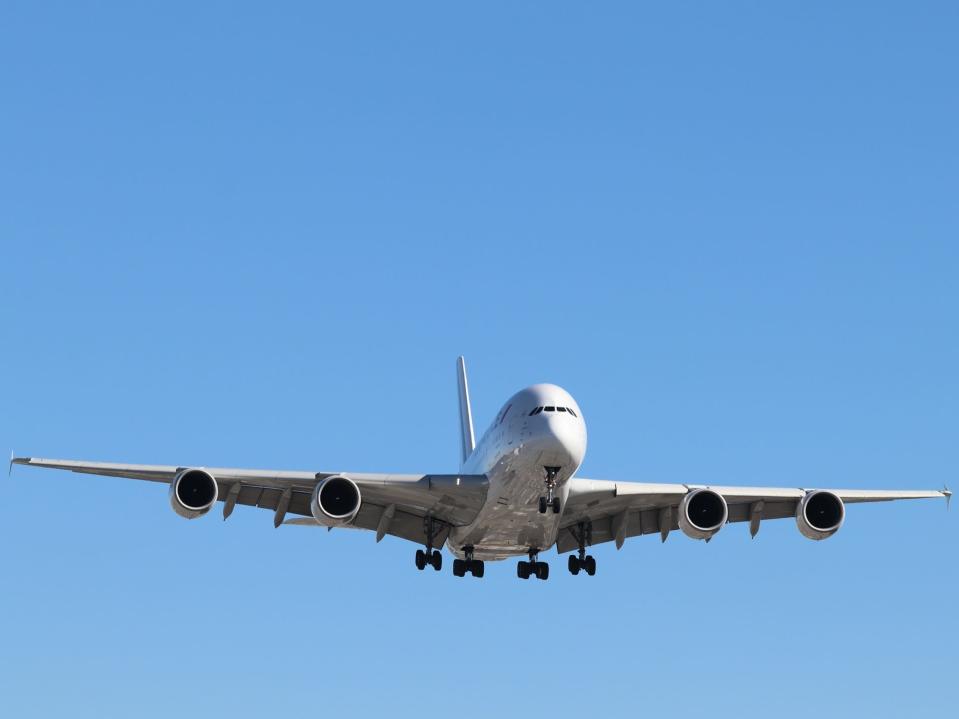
[259,235]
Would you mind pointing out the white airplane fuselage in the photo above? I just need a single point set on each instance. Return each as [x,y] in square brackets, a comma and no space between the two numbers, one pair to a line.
[513,453]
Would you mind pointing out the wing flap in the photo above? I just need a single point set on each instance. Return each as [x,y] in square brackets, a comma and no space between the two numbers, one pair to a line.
[403,525]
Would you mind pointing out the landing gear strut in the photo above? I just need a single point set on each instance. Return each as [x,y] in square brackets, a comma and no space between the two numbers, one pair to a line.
[549,500]
[476,567]
[430,556]
[533,567]
[584,536]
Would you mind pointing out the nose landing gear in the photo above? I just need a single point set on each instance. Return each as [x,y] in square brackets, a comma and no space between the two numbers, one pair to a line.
[549,500]
[533,567]
[476,567]
[584,535]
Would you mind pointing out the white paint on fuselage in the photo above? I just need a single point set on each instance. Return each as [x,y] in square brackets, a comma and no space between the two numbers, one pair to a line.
[512,454]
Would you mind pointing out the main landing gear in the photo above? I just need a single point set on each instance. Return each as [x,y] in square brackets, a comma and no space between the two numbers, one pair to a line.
[476,567]
[549,500]
[584,535]
[430,556]
[524,570]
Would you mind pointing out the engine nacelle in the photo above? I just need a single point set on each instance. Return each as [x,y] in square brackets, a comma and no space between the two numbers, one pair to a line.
[193,493]
[820,514]
[702,513]
[335,500]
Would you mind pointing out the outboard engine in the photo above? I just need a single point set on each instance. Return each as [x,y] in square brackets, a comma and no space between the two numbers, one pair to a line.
[335,500]
[702,513]
[820,514]
[193,493]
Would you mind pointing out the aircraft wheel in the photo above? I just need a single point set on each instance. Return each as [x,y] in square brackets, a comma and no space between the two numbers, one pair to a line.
[478,568]
[590,565]
[542,570]
[420,559]
[459,568]
[436,560]
[555,505]
[542,505]
[573,564]
[523,570]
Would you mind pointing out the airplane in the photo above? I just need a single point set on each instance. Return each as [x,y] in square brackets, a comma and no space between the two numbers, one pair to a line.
[516,494]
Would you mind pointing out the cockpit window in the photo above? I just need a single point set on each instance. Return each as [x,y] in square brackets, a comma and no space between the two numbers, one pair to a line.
[537,410]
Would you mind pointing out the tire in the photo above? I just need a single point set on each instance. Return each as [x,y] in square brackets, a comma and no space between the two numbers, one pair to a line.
[590,565]
[522,570]
[436,560]
[420,559]
[459,568]
[555,505]
[573,564]
[542,570]
[478,568]
[542,505]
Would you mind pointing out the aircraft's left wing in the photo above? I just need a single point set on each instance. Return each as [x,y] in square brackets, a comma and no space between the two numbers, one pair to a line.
[614,511]
[395,504]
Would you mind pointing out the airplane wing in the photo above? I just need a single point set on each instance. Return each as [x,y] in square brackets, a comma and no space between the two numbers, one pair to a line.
[615,511]
[395,504]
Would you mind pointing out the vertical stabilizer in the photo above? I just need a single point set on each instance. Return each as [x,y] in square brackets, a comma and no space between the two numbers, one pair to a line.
[466,413]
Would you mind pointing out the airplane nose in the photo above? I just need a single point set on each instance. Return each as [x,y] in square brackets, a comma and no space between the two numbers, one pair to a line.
[566,437]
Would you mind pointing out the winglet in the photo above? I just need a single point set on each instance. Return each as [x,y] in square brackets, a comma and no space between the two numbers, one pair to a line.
[10,466]
[948,495]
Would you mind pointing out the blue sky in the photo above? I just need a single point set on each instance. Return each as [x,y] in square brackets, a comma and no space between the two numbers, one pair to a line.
[259,235]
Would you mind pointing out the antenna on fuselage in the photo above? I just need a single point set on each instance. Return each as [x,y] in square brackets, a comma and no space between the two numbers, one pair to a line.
[466,413]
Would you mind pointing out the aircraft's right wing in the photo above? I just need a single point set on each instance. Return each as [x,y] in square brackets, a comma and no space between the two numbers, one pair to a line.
[395,504]
[615,511]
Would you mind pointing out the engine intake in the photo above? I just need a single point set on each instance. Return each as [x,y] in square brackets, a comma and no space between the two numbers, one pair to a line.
[335,501]
[820,514]
[193,493]
[702,513]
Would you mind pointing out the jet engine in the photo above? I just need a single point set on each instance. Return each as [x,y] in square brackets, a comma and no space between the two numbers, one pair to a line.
[335,501]
[193,493]
[820,514]
[702,513]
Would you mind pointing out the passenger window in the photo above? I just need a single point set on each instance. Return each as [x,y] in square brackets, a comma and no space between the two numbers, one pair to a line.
[549,409]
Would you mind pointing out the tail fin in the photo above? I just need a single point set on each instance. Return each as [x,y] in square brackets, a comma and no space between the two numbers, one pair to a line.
[466,413]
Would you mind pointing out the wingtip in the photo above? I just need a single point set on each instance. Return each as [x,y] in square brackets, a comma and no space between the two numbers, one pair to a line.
[17,460]
[947,493]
